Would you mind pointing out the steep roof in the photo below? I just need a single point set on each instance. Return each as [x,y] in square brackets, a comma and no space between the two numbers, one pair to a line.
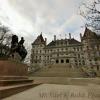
[89,34]
[73,41]
[39,40]
[69,41]
[53,43]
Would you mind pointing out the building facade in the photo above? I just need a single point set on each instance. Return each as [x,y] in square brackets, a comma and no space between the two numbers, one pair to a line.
[67,51]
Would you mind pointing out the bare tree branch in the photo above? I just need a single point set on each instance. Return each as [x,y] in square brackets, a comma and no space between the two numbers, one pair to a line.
[91,13]
[5,40]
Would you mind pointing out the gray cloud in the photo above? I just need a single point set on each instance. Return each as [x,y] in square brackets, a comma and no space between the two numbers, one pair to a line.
[30,17]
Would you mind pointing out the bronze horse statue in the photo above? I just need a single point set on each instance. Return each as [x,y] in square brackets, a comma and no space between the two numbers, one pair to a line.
[18,47]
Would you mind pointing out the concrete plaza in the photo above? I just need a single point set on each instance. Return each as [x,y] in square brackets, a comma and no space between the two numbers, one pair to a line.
[59,92]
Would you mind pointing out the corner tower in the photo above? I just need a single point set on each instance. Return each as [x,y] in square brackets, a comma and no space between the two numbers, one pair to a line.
[37,51]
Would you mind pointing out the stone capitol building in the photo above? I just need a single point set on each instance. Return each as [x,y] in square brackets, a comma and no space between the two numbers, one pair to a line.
[71,52]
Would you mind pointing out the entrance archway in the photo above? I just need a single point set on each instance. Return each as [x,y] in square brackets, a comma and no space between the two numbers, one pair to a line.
[67,60]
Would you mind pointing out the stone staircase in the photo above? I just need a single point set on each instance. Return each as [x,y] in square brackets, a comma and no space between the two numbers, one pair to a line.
[13,78]
[15,82]
[59,71]
[12,86]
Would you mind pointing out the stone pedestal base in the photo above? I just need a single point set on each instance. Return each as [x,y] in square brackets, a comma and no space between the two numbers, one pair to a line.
[13,78]
[11,68]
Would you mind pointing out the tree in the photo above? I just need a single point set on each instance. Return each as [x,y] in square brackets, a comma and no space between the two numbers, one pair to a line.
[4,37]
[91,12]
[5,40]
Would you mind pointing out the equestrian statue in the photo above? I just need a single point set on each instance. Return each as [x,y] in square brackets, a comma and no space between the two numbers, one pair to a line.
[18,47]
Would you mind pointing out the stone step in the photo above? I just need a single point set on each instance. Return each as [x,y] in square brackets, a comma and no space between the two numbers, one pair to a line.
[66,80]
[60,71]
[70,74]
[15,82]
[10,90]
[54,71]
[12,77]
[61,65]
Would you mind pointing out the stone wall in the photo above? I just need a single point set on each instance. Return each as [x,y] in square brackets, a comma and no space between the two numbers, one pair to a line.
[12,69]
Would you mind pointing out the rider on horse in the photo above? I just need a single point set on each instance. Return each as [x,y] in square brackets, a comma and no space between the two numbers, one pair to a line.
[18,47]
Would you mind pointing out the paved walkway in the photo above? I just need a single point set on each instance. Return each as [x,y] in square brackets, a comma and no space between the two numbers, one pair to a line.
[66,80]
[59,92]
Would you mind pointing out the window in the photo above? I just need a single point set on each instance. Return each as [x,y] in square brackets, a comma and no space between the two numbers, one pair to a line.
[97,47]
[95,59]
[74,49]
[57,61]
[67,60]
[40,57]
[77,49]
[75,60]
[57,55]
[62,61]
[48,57]
[87,48]
[83,62]
[90,60]
[78,55]
[81,48]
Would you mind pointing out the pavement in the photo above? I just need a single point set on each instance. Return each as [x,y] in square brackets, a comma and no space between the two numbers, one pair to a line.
[59,92]
[65,80]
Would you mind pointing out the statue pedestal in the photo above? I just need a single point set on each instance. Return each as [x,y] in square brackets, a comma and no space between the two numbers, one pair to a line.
[12,70]
[16,57]
[13,78]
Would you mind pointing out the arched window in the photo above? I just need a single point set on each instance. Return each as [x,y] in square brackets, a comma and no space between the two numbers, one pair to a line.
[35,61]
[57,61]
[62,61]
[67,60]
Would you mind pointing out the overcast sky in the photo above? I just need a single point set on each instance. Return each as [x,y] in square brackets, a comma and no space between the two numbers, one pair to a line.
[29,18]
